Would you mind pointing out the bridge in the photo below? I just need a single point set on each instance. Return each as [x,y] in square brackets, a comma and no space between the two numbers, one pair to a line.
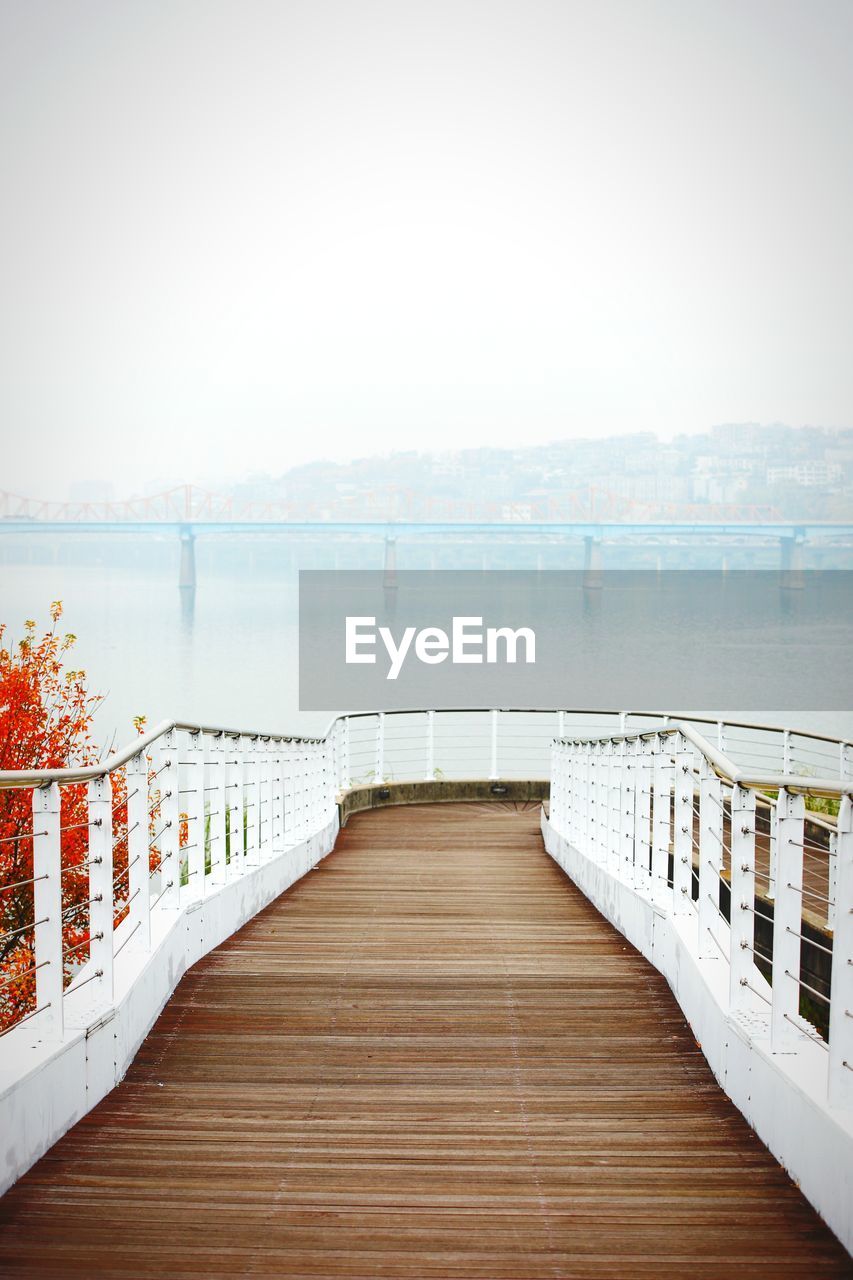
[487,993]
[186,513]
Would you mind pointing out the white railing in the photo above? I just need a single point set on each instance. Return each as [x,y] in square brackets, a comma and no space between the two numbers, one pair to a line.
[734,855]
[720,871]
[171,819]
[188,831]
[188,808]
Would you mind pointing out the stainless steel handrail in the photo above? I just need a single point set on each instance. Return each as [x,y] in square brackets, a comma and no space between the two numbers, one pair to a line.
[721,762]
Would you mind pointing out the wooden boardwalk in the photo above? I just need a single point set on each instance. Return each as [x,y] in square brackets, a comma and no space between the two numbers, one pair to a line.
[430,1058]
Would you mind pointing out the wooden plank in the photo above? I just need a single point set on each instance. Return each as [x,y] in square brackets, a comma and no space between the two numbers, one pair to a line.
[430,1058]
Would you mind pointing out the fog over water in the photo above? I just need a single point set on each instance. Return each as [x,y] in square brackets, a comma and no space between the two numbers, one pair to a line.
[227,654]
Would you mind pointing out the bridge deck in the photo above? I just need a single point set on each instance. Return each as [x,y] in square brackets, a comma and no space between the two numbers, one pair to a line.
[432,1057]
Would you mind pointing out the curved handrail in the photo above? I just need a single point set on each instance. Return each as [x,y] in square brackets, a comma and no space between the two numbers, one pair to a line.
[723,766]
[722,763]
[11,778]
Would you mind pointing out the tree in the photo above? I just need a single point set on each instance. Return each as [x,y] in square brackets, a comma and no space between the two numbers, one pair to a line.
[46,722]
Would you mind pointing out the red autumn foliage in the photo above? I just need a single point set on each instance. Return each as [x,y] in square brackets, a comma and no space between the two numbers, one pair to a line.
[46,722]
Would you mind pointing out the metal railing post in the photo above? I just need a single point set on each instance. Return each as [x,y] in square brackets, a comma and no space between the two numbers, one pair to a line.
[217,806]
[661,819]
[626,855]
[47,901]
[346,780]
[493,767]
[252,821]
[380,746]
[682,865]
[277,790]
[833,891]
[138,860]
[556,807]
[710,863]
[841,995]
[614,807]
[100,803]
[235,803]
[169,824]
[787,921]
[194,774]
[742,913]
[265,799]
[642,815]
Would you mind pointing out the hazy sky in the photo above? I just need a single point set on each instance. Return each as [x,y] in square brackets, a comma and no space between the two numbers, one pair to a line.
[238,234]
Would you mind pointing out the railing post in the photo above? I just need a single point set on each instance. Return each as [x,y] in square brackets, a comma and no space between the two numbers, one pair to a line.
[169,822]
[572,789]
[100,796]
[265,795]
[710,862]
[493,768]
[251,823]
[235,769]
[594,786]
[555,801]
[832,880]
[661,819]
[276,748]
[742,913]
[331,746]
[194,777]
[642,815]
[682,864]
[614,807]
[846,764]
[288,794]
[430,746]
[380,746]
[138,861]
[47,902]
[841,995]
[786,751]
[587,800]
[626,855]
[298,792]
[787,921]
[602,765]
[217,809]
[346,781]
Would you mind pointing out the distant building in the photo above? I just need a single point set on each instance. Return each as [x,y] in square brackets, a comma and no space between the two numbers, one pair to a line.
[811,473]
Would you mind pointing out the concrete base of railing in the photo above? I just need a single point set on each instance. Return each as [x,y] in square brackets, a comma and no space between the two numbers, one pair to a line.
[782,1095]
[441,790]
[47,1088]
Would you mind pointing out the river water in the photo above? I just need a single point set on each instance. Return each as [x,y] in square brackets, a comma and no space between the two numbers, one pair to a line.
[227,653]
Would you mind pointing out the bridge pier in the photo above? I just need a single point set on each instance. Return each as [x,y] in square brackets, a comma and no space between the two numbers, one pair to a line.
[389,580]
[791,556]
[592,561]
[187,575]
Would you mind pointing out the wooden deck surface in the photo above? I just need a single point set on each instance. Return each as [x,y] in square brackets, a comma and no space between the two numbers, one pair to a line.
[430,1058]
